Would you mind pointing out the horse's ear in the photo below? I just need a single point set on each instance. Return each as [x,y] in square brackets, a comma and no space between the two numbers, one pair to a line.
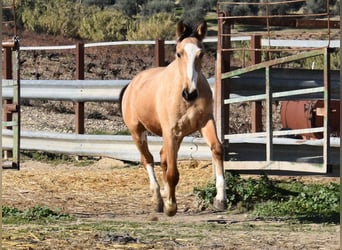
[182,31]
[201,30]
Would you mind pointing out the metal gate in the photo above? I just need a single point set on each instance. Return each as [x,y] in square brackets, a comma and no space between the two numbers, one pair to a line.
[11,77]
[263,148]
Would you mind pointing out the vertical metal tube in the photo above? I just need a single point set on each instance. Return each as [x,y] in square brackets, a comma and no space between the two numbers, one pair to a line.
[269,130]
[326,122]
[256,106]
[16,101]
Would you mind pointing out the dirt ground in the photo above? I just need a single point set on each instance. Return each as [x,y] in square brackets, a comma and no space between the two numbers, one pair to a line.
[115,196]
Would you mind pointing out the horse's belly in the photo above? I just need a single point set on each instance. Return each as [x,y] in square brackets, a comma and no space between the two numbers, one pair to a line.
[151,123]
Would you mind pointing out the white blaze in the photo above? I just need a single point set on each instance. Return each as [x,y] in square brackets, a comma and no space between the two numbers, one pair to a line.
[191,50]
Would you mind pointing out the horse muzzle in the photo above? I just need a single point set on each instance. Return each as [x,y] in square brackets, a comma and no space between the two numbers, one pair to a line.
[190,96]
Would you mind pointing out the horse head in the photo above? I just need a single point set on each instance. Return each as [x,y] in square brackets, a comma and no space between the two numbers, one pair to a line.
[189,53]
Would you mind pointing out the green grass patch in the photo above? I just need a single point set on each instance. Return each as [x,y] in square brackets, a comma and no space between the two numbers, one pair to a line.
[56,159]
[264,197]
[36,214]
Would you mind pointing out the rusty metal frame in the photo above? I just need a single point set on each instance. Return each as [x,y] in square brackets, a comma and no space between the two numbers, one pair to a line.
[11,107]
[225,23]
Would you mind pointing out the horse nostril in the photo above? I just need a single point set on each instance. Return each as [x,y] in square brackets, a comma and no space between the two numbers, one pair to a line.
[189,96]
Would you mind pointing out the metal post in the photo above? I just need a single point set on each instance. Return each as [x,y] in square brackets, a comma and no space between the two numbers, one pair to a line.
[159,53]
[16,106]
[326,133]
[256,112]
[221,111]
[269,129]
[79,107]
[7,74]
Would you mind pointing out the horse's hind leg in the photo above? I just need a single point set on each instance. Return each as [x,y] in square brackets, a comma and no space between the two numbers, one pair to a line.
[140,140]
[209,133]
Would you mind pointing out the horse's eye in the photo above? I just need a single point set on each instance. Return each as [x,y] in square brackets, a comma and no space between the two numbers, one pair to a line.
[178,55]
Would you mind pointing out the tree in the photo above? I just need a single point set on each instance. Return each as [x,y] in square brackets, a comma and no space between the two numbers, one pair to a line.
[129,7]
[195,11]
[152,7]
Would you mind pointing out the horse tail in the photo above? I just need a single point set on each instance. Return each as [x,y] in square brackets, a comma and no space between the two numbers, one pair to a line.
[121,96]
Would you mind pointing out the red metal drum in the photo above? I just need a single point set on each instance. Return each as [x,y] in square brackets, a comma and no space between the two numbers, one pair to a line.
[309,114]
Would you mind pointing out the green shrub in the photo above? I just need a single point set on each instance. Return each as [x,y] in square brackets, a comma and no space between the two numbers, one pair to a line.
[61,18]
[158,26]
[268,198]
[29,12]
[52,17]
[312,202]
[104,25]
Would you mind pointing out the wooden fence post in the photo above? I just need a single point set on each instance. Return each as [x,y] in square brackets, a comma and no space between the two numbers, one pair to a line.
[79,107]
[159,53]
[256,112]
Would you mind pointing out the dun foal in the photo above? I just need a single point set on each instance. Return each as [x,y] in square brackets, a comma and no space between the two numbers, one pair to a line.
[173,102]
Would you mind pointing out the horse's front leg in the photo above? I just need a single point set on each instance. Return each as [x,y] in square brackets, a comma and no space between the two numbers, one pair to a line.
[210,135]
[140,140]
[168,157]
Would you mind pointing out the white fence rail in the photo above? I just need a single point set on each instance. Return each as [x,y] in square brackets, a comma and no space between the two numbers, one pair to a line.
[264,42]
[109,90]
[122,147]
[115,146]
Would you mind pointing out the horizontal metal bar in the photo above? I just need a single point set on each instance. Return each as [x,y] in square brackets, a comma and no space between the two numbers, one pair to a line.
[10,124]
[245,99]
[298,92]
[298,131]
[274,166]
[253,83]
[276,133]
[274,95]
[264,42]
[72,90]
[123,148]
[271,63]
[114,146]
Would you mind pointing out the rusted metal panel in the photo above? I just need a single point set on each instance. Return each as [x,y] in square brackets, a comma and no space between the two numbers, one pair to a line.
[309,114]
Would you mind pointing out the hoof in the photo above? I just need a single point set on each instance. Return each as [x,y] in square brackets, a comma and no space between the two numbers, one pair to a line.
[220,205]
[159,208]
[170,210]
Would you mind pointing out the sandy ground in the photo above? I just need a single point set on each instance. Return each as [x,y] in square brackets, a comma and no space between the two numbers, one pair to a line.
[110,190]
